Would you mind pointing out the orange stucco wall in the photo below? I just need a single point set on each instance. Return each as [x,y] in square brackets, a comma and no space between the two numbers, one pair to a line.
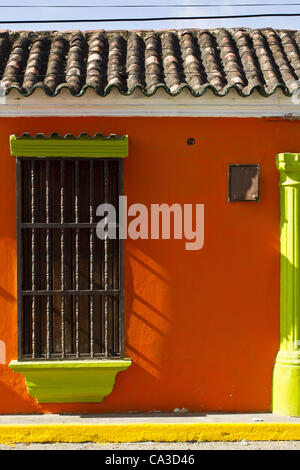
[202,327]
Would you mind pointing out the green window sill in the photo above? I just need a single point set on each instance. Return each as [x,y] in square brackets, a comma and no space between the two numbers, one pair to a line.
[70,381]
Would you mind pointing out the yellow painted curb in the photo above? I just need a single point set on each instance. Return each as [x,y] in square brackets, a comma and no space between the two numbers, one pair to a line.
[159,432]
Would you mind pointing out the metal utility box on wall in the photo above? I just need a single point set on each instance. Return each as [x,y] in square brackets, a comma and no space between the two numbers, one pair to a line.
[243,183]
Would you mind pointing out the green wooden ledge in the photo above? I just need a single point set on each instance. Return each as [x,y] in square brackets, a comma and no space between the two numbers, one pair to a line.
[70,381]
[82,146]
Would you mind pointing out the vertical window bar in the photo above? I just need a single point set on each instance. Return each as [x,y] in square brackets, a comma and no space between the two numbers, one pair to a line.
[77,313]
[39,275]
[20,176]
[106,261]
[48,260]
[91,259]
[62,255]
[33,300]
[121,267]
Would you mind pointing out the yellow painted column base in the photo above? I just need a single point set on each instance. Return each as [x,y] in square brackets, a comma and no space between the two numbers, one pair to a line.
[286,384]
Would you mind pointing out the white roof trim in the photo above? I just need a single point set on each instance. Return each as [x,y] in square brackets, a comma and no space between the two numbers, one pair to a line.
[161,104]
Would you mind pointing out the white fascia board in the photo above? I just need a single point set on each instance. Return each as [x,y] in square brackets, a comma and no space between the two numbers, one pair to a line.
[161,104]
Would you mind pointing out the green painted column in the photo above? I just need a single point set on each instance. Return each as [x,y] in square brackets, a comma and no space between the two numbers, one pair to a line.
[286,378]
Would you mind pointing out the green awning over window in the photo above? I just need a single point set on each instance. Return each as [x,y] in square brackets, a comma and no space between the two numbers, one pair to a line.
[39,145]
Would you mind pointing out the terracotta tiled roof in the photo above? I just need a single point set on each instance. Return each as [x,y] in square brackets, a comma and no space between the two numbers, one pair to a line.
[219,59]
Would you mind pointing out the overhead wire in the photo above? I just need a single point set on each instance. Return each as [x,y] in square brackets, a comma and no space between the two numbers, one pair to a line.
[165,18]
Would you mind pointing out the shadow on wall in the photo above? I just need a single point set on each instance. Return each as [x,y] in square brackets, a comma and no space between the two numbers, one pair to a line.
[12,399]
[172,325]
[5,294]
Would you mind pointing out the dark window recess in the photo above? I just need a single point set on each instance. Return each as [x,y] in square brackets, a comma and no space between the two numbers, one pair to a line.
[243,183]
[70,283]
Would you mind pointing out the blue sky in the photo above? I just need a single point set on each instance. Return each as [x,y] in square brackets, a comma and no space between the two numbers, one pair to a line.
[78,9]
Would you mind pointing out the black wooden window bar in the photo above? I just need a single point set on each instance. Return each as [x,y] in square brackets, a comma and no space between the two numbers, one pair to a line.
[70,283]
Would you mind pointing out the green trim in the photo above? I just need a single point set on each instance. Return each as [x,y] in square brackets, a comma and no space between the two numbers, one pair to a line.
[69,146]
[70,381]
[286,377]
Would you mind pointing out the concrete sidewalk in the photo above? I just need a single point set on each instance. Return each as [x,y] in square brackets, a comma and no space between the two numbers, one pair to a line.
[145,418]
[157,427]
